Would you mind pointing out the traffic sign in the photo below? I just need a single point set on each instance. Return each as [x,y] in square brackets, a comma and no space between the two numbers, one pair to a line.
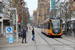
[9,35]
[10,39]
[9,30]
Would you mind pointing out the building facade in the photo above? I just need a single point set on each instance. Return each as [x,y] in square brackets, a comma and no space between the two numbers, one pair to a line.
[43,10]
[35,17]
[4,16]
[1,19]
[14,15]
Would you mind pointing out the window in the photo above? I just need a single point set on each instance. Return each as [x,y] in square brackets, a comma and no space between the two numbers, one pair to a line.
[21,0]
[40,5]
[56,24]
[0,6]
[46,25]
[56,0]
[41,0]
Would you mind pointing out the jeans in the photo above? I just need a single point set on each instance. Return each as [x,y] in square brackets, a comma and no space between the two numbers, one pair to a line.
[74,34]
[23,39]
[33,36]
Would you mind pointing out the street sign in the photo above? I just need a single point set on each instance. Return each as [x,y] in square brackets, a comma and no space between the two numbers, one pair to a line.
[9,30]
[12,8]
[9,35]
[10,39]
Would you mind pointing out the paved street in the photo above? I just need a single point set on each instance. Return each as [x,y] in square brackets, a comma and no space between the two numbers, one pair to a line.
[33,24]
[43,42]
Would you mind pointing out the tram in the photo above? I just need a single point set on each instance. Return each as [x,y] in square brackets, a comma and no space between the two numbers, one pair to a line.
[52,26]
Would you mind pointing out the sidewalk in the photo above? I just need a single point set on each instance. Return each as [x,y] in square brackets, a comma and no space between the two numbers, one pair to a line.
[5,43]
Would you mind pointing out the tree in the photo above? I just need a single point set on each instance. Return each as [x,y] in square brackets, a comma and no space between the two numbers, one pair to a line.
[23,12]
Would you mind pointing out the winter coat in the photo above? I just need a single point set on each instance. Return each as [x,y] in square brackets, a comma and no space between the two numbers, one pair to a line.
[74,30]
[33,32]
[24,33]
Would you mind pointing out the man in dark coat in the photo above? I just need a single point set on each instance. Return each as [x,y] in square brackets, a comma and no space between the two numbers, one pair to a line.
[33,34]
[24,35]
[74,31]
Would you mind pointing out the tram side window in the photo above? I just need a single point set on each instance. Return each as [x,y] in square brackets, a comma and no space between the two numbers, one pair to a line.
[48,25]
[45,25]
[42,26]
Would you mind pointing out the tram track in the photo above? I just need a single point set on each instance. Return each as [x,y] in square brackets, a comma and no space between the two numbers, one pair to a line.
[35,45]
[63,43]
[57,41]
[34,40]
[68,40]
[46,42]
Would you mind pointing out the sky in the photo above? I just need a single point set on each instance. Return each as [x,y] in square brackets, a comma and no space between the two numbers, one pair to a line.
[32,5]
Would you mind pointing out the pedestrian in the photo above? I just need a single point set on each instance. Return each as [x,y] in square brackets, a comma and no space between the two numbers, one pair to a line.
[74,31]
[27,29]
[24,35]
[33,34]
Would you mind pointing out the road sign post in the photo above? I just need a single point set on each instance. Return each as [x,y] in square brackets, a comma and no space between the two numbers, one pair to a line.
[16,22]
[9,34]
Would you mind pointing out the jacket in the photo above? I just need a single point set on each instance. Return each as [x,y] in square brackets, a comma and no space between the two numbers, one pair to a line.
[24,33]
[33,32]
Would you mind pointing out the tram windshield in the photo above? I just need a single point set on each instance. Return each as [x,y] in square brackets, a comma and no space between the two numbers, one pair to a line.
[56,24]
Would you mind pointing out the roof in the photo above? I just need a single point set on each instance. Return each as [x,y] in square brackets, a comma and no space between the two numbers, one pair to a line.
[51,18]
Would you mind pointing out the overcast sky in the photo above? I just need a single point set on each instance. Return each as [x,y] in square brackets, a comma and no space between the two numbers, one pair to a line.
[32,5]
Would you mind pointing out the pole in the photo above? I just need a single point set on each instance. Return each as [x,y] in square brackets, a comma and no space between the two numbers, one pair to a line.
[54,12]
[70,15]
[22,19]
[16,27]
[60,11]
[16,22]
[66,17]
[13,24]
[13,20]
